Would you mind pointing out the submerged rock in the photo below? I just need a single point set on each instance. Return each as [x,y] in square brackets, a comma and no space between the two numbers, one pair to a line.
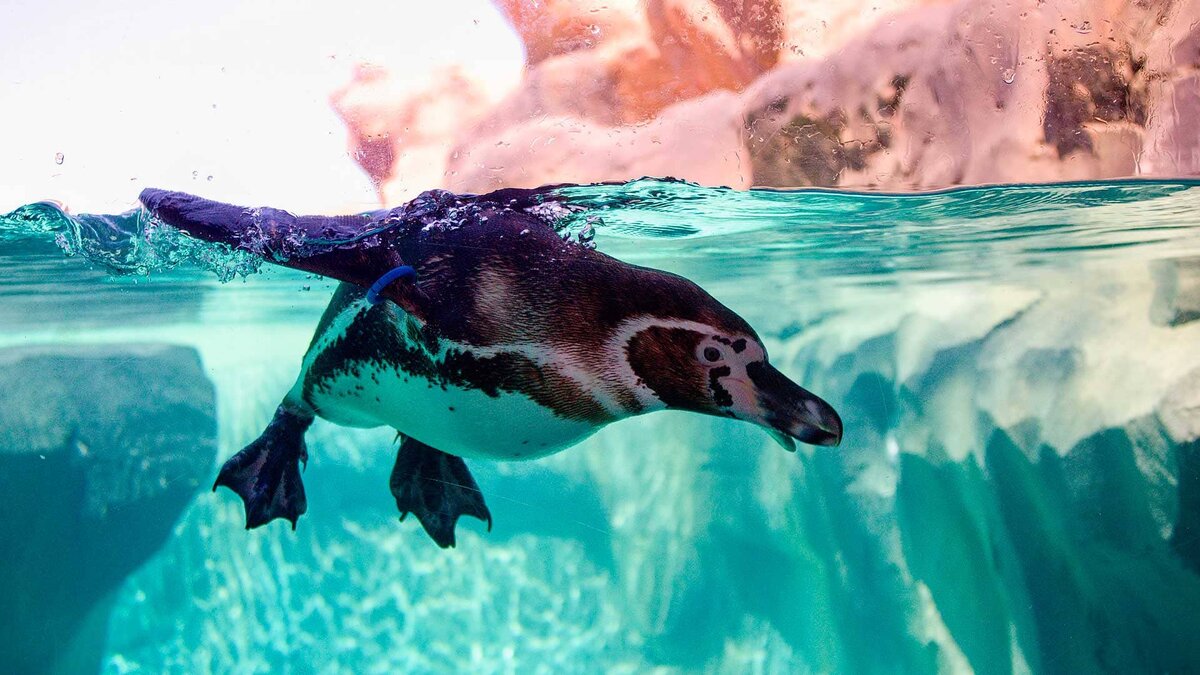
[1177,297]
[101,448]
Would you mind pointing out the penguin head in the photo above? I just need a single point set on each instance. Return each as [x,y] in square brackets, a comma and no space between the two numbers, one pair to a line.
[720,368]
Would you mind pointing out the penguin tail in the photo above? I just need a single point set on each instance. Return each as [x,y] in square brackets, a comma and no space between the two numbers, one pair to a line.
[437,488]
[266,473]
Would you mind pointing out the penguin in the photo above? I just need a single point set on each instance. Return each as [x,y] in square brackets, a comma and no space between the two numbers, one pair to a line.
[469,325]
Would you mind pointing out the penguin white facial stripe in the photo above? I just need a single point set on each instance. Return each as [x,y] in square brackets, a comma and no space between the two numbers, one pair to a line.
[615,351]
[745,400]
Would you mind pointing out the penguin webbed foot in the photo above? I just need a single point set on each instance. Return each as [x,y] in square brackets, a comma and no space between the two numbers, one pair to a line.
[266,473]
[437,488]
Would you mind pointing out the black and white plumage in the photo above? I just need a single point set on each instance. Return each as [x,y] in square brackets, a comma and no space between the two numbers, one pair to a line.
[512,343]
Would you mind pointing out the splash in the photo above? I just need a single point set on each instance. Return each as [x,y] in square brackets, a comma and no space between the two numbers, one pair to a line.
[130,243]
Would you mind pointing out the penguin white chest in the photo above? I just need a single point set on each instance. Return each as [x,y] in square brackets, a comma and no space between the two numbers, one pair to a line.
[456,420]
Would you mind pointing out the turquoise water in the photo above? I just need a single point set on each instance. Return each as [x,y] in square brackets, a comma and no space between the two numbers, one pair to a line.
[1017,367]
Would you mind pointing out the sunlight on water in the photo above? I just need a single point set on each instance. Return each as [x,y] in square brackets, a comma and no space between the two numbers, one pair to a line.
[964,232]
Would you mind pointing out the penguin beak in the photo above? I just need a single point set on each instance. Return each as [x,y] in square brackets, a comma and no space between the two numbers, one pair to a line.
[787,410]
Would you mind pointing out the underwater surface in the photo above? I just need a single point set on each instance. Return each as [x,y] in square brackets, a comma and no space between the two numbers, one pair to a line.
[1018,488]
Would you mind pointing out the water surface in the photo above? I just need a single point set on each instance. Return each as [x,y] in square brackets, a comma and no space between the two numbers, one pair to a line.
[1012,364]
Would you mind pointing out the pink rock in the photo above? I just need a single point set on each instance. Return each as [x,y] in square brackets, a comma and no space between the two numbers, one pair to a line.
[399,134]
[974,92]
[557,27]
[931,95]
[624,62]
[703,141]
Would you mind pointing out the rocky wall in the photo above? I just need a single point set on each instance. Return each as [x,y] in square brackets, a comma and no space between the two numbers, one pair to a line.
[888,96]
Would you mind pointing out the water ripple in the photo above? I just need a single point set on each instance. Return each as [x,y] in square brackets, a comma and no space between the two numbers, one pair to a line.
[719,234]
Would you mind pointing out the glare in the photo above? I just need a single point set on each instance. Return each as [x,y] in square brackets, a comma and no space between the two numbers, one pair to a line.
[228,99]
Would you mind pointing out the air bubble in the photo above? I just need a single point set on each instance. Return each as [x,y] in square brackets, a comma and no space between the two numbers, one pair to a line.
[59,158]
[587,234]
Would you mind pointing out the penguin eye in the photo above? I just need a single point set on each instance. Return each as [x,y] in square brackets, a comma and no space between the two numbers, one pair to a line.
[712,354]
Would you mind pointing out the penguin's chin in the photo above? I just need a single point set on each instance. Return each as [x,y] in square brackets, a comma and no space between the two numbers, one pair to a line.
[814,436]
[782,439]
[809,436]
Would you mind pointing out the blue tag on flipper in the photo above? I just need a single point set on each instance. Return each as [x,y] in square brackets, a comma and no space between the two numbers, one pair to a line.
[401,272]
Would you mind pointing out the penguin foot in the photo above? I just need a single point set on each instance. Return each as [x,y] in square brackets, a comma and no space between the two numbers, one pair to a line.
[266,473]
[438,488]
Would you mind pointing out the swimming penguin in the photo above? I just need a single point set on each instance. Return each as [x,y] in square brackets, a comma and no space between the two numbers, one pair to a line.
[469,325]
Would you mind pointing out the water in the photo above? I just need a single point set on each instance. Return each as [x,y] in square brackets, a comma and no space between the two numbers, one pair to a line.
[1017,367]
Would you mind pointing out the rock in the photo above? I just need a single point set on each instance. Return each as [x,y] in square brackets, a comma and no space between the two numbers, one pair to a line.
[1177,292]
[594,72]
[1180,408]
[1185,537]
[968,92]
[399,133]
[623,63]
[1086,557]
[1044,469]
[930,95]
[708,148]
[813,30]
[558,27]
[101,448]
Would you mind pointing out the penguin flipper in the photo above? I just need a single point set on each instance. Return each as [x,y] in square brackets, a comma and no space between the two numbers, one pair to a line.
[266,473]
[437,488]
[331,246]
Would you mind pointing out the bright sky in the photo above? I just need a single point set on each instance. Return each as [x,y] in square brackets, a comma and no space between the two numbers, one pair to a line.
[166,94]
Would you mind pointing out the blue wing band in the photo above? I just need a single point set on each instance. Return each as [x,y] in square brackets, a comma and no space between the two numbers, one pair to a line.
[401,272]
